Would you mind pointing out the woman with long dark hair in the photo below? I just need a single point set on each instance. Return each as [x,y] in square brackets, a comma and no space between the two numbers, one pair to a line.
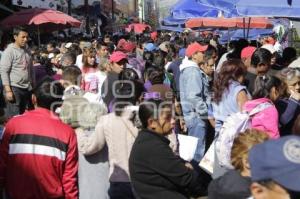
[229,97]
[229,93]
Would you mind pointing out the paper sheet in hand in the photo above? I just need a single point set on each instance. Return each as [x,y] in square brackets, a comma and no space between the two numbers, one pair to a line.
[187,146]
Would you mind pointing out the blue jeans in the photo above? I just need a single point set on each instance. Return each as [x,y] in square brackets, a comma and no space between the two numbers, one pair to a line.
[197,127]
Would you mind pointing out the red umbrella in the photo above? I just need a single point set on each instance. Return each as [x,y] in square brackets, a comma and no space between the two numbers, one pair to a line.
[45,19]
[255,22]
[41,17]
[137,27]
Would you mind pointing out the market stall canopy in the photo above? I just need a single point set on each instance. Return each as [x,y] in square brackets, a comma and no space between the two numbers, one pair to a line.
[237,22]
[254,34]
[138,28]
[263,8]
[46,19]
[171,21]
[186,9]
[269,8]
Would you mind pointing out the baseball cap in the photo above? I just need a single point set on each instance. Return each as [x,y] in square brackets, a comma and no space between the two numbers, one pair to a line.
[153,35]
[163,46]
[247,52]
[128,47]
[195,47]
[117,56]
[295,64]
[149,47]
[277,160]
[269,47]
[121,43]
[68,45]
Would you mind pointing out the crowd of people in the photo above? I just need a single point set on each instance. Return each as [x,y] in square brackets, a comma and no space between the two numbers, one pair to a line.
[100,118]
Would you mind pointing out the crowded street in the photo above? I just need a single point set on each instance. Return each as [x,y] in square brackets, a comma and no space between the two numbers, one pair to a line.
[149,99]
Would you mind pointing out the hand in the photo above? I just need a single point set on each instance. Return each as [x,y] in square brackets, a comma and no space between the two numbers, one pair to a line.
[295,95]
[9,96]
[189,166]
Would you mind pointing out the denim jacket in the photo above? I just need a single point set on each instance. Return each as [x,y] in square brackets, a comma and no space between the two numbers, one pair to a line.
[194,90]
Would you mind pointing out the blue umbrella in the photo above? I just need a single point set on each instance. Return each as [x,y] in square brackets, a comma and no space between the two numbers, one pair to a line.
[269,8]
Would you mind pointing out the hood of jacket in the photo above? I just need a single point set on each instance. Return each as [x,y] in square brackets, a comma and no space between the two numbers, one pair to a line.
[186,63]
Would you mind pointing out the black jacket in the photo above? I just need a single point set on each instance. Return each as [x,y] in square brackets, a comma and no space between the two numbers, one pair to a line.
[230,186]
[156,172]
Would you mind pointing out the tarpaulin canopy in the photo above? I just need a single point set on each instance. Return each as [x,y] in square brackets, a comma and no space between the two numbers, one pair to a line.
[185,9]
[254,34]
[265,8]
[171,28]
[269,8]
[227,6]
[255,22]
[170,21]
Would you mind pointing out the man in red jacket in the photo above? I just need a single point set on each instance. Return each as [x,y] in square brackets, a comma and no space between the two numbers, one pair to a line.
[38,152]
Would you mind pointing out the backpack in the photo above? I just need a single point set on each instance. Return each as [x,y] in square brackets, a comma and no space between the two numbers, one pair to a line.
[233,125]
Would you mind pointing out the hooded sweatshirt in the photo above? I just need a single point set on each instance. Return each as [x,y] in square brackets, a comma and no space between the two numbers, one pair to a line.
[230,186]
[16,67]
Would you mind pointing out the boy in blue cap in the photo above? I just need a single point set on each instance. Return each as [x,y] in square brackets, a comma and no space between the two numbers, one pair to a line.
[275,169]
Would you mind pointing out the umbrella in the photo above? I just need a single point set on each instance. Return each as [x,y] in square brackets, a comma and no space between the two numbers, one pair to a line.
[138,28]
[41,17]
[255,22]
[46,19]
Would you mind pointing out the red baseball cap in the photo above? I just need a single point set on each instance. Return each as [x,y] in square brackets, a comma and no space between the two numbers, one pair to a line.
[117,56]
[128,47]
[247,52]
[121,43]
[153,36]
[195,47]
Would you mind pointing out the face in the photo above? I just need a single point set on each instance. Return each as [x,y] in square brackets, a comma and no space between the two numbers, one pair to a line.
[81,45]
[49,48]
[103,51]
[262,68]
[273,59]
[106,40]
[118,67]
[62,48]
[165,123]
[209,67]
[198,57]
[91,60]
[295,87]
[275,192]
[215,57]
[21,39]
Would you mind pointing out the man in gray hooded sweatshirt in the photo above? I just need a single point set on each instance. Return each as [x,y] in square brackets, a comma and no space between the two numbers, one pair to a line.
[16,74]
